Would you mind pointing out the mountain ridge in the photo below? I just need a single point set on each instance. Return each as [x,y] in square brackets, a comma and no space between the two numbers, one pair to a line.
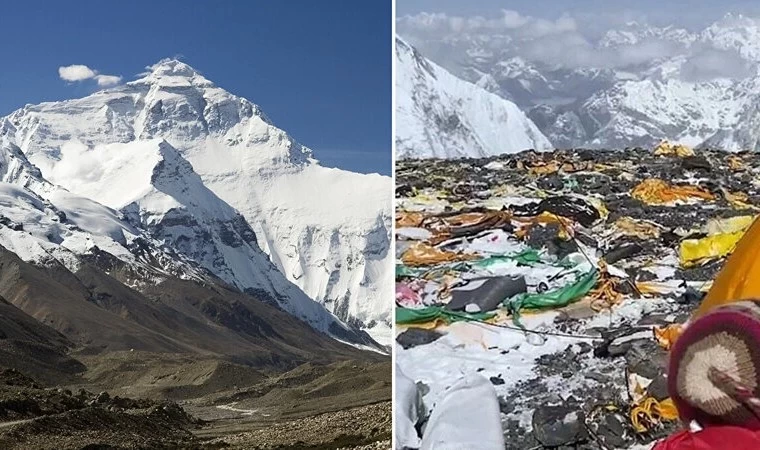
[194,140]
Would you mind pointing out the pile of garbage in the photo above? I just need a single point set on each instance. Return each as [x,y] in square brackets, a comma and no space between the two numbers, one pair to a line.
[561,278]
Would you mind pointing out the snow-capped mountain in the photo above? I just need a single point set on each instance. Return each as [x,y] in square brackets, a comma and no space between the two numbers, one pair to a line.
[441,116]
[640,84]
[206,174]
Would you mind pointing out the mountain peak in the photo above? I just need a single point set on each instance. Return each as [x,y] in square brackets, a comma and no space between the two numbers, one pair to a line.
[171,71]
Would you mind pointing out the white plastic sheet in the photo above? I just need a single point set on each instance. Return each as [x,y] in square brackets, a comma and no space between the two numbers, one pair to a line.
[407,411]
[467,417]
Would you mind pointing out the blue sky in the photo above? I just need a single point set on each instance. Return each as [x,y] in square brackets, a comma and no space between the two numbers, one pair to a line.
[321,70]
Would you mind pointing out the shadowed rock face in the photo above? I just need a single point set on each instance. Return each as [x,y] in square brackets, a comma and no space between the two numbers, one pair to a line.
[95,310]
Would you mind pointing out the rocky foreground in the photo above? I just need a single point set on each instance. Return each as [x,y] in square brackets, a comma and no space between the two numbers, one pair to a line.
[608,251]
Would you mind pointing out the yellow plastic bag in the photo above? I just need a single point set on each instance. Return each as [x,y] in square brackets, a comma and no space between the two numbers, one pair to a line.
[696,251]
[729,225]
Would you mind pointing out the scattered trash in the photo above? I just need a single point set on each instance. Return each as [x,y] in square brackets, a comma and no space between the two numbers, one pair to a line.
[568,275]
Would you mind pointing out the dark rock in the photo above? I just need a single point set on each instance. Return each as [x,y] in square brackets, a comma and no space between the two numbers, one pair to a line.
[103,397]
[554,426]
[414,337]
[646,359]
[611,429]
[496,381]
[654,319]
[505,406]
[696,163]
[691,296]
[623,252]
[596,376]
[658,388]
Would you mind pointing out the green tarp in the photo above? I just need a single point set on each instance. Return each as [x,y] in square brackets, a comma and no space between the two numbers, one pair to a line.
[430,313]
[553,299]
[528,257]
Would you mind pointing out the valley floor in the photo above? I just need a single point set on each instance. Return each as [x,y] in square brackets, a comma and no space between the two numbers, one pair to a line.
[202,404]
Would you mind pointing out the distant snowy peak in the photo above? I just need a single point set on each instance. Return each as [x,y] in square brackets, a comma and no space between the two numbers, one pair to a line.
[634,33]
[735,32]
[441,116]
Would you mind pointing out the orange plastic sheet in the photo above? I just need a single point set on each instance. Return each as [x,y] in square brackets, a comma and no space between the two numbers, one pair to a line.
[654,191]
[409,219]
[735,163]
[637,228]
[604,295]
[667,336]
[421,254]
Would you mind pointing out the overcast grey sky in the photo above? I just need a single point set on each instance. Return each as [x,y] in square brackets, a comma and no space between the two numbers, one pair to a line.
[685,13]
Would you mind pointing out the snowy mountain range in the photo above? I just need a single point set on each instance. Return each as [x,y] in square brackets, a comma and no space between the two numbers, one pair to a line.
[441,116]
[633,85]
[175,176]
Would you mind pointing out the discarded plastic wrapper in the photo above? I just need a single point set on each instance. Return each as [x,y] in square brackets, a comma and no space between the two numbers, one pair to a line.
[658,192]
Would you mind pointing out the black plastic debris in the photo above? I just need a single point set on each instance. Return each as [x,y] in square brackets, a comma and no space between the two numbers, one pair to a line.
[571,207]
[414,337]
[623,252]
[488,293]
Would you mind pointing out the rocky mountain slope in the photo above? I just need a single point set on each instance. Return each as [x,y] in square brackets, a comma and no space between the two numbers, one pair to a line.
[639,83]
[441,116]
[200,181]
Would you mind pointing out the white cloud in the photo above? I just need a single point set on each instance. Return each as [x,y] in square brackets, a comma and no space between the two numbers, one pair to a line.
[711,63]
[508,21]
[76,72]
[107,80]
[80,72]
[570,41]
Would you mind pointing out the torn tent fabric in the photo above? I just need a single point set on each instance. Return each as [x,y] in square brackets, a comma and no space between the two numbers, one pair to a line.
[712,438]
[672,149]
[528,257]
[408,411]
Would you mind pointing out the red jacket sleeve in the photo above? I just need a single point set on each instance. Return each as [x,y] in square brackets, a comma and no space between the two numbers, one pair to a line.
[712,438]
